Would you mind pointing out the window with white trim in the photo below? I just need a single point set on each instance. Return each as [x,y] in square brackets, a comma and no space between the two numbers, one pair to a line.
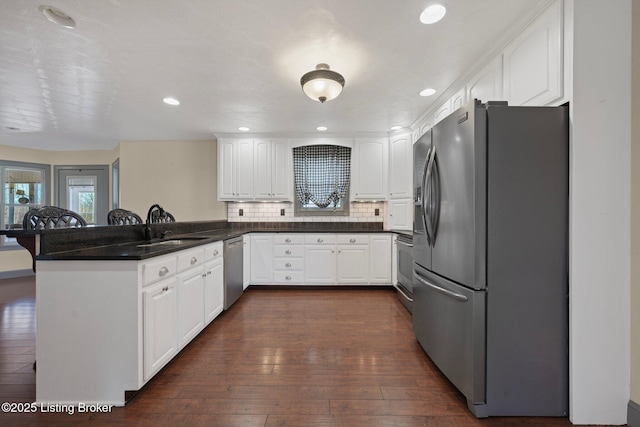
[24,186]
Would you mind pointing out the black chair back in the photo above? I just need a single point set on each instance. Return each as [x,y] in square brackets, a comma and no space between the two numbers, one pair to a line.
[51,217]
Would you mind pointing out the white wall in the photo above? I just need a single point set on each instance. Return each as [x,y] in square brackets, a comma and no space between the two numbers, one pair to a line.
[600,211]
[635,209]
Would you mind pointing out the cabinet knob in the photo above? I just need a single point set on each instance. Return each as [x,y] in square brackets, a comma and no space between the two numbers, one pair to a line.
[194,260]
[288,277]
[288,240]
[163,271]
[288,252]
[352,240]
[288,264]
[165,289]
[320,240]
[204,274]
[209,273]
[215,252]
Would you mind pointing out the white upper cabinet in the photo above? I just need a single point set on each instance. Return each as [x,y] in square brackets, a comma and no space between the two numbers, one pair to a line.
[442,112]
[533,61]
[459,99]
[400,166]
[400,214]
[486,85]
[235,169]
[369,166]
[273,166]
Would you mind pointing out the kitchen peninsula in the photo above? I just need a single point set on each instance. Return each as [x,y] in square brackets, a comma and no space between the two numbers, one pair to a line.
[112,309]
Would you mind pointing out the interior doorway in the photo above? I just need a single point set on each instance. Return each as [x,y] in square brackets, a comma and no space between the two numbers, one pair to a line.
[85,190]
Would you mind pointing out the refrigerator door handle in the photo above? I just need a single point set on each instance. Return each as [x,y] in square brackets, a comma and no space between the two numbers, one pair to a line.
[426,194]
[446,292]
[435,211]
[428,200]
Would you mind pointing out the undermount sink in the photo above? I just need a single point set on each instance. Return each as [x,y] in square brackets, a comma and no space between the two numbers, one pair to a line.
[174,241]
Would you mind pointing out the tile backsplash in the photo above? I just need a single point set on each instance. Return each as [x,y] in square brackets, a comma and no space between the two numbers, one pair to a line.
[271,212]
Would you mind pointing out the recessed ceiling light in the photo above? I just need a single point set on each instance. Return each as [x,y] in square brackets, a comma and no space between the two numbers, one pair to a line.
[171,101]
[57,16]
[433,14]
[427,92]
[244,129]
[321,128]
[396,127]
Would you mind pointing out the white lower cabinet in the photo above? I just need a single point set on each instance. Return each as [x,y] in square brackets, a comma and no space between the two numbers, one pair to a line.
[319,264]
[213,290]
[160,336]
[380,251]
[261,258]
[320,258]
[352,263]
[246,261]
[190,305]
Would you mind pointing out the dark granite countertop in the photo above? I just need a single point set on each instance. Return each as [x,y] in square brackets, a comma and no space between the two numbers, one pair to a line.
[124,242]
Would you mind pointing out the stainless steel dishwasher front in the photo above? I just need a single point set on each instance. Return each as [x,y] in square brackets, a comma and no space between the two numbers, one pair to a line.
[232,271]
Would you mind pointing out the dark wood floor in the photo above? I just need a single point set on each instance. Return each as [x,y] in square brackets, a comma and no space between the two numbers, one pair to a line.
[276,358]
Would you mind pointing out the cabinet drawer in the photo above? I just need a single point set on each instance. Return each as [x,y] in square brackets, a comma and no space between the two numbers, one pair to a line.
[290,251]
[294,239]
[288,264]
[190,258]
[320,239]
[158,268]
[293,277]
[353,239]
[213,251]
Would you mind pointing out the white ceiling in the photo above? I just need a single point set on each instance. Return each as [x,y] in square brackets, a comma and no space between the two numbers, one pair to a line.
[231,63]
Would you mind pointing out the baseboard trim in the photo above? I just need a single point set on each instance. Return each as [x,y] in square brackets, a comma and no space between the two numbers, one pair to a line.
[633,414]
[16,273]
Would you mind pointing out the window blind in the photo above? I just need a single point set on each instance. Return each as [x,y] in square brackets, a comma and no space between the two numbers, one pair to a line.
[321,174]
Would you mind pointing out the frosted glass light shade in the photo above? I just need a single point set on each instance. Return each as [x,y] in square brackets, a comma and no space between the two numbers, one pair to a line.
[322,84]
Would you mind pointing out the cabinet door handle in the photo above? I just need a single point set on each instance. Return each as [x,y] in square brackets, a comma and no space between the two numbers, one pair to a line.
[352,240]
[320,240]
[163,271]
[165,289]
[209,273]
[288,252]
[288,277]
[204,274]
[215,252]
[287,240]
[288,264]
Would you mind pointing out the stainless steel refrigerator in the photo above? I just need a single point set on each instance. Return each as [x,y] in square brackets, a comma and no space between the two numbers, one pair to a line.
[491,256]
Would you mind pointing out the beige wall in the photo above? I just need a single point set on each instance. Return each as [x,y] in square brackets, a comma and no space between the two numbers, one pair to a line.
[179,175]
[635,206]
[20,259]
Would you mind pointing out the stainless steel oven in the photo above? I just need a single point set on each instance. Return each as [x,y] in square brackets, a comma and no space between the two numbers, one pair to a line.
[405,270]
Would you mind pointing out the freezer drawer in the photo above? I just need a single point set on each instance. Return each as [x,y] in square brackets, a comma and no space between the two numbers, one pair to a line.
[449,323]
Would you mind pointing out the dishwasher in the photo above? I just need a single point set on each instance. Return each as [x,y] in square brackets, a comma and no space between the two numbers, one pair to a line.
[232,271]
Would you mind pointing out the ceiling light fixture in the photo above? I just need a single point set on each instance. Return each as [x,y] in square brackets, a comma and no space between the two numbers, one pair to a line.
[433,14]
[244,129]
[321,128]
[396,127]
[57,16]
[427,92]
[322,84]
[171,101]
